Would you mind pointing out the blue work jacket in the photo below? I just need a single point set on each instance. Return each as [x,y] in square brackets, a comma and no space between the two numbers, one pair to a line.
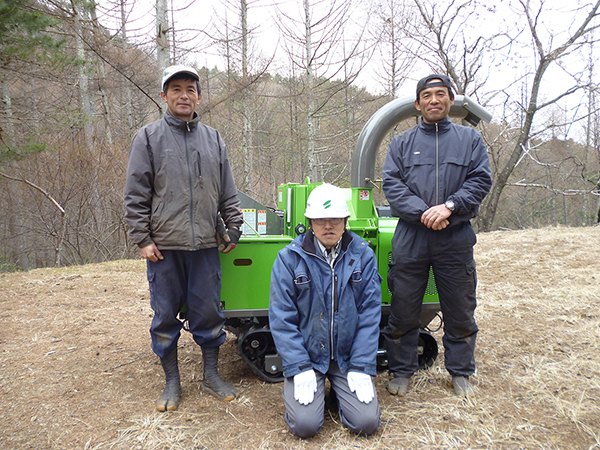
[318,313]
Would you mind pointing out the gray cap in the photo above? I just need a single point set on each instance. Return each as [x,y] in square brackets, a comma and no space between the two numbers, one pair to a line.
[177,69]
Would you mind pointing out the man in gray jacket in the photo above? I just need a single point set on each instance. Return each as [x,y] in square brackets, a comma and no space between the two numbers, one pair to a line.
[179,184]
[434,177]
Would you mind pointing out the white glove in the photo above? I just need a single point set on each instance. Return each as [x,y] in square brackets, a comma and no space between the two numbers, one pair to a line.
[362,384]
[305,386]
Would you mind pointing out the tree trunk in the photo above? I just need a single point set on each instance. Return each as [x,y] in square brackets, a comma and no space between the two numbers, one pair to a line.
[310,110]
[246,121]
[8,134]
[84,78]
[127,85]
[490,204]
[162,41]
[101,82]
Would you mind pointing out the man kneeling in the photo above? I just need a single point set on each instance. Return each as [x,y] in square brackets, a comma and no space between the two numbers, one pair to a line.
[324,314]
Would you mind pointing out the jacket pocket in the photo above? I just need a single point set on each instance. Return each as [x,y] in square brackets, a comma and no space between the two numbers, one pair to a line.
[301,280]
[303,294]
[302,284]
[356,276]
[457,160]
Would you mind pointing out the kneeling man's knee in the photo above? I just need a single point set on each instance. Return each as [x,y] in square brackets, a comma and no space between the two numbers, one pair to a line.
[363,421]
[304,424]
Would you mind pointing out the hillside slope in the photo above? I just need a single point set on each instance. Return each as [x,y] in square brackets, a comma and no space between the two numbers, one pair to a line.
[76,369]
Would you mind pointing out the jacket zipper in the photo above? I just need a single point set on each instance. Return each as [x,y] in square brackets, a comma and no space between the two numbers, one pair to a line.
[437,166]
[187,157]
[200,169]
[333,308]
[334,304]
[334,298]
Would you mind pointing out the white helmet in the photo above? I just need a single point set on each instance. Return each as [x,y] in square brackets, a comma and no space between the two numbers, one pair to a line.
[326,201]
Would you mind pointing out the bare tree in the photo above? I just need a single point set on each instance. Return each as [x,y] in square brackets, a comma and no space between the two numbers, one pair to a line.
[451,44]
[592,113]
[396,52]
[79,16]
[451,41]
[63,214]
[243,66]
[547,53]
[314,45]
[124,46]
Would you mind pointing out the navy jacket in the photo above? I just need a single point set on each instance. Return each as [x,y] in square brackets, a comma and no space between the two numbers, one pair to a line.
[431,163]
[312,323]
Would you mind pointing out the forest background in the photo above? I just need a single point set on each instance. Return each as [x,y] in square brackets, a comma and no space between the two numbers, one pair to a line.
[289,86]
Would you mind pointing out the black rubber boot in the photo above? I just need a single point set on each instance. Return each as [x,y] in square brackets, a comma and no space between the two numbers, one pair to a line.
[212,383]
[169,399]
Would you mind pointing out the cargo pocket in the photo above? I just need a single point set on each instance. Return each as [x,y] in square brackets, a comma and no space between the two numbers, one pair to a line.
[472,273]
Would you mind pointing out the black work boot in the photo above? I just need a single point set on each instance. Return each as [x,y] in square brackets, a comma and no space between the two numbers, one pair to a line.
[212,383]
[169,399]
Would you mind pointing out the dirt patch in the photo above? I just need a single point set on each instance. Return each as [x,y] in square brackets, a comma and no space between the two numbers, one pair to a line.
[76,369]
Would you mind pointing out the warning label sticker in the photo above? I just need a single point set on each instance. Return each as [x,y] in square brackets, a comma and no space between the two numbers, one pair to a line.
[261,224]
[249,226]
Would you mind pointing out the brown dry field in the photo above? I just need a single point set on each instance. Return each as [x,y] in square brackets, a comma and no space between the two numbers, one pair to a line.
[77,372]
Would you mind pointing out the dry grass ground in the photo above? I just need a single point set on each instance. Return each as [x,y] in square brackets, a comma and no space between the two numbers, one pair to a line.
[76,369]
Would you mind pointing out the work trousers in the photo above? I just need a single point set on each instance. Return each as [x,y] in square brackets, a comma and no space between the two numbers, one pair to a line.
[306,420]
[186,278]
[450,253]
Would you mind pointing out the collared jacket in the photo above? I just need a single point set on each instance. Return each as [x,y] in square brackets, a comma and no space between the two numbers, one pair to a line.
[431,163]
[318,313]
[178,179]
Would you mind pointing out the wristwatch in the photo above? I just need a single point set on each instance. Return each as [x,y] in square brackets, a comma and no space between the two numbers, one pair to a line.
[450,205]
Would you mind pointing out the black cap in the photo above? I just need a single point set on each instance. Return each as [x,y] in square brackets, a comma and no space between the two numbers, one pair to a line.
[425,83]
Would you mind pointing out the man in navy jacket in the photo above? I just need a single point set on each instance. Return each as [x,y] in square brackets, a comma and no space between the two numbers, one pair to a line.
[324,314]
[435,176]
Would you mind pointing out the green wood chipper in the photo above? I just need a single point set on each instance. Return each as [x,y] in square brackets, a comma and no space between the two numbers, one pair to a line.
[247,269]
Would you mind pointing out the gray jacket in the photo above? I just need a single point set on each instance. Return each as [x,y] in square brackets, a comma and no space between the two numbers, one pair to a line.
[432,163]
[178,179]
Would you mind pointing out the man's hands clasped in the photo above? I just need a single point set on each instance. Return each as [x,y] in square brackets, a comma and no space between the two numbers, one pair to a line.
[436,217]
